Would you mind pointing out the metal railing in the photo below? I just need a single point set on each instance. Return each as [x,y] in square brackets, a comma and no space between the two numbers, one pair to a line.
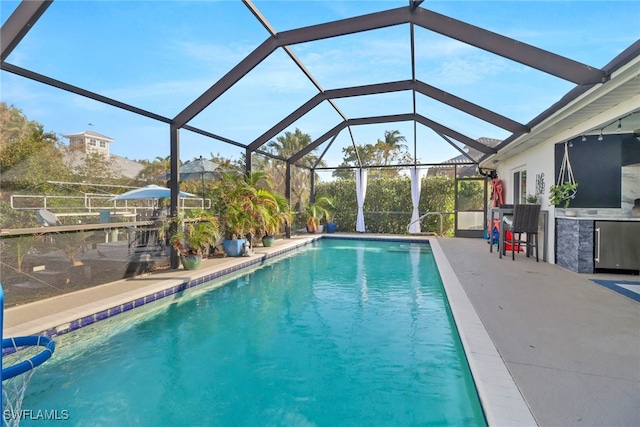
[91,204]
[426,215]
[393,222]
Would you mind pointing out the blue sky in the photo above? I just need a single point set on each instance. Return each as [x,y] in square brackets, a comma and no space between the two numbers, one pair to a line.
[161,55]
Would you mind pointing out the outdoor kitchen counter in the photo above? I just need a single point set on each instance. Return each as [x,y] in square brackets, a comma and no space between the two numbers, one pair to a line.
[578,243]
[597,218]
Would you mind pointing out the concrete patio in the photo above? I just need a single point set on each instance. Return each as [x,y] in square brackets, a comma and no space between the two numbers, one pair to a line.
[572,346]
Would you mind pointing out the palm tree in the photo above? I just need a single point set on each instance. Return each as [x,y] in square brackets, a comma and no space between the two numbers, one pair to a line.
[274,213]
[286,146]
[152,171]
[289,144]
[391,144]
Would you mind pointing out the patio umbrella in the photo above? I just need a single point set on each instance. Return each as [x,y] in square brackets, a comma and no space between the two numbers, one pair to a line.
[149,192]
[197,169]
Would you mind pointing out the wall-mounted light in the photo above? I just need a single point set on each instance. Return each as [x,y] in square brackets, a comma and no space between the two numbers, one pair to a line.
[584,138]
[619,125]
[600,136]
[570,143]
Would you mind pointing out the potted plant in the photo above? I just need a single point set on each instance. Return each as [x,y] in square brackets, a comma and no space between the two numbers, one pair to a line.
[562,194]
[235,199]
[193,237]
[532,199]
[316,211]
[237,223]
[252,207]
[330,215]
[275,214]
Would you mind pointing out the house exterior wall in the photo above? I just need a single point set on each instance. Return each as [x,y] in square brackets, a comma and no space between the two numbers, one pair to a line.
[538,162]
[539,159]
[96,145]
[90,142]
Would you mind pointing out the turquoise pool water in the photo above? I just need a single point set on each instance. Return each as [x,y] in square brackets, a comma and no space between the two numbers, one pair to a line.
[341,333]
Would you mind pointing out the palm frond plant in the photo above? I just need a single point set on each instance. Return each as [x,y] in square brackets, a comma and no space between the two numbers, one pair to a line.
[234,198]
[273,215]
[252,207]
[195,235]
[316,211]
[330,215]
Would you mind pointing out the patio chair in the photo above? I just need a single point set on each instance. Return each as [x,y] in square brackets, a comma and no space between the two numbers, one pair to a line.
[525,220]
[47,218]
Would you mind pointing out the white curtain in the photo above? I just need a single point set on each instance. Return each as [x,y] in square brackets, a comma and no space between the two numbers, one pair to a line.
[361,192]
[414,228]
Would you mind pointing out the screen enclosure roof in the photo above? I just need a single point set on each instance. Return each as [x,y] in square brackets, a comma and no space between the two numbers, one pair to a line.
[243,73]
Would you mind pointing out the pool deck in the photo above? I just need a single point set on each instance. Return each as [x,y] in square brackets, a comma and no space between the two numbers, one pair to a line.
[572,346]
[547,346]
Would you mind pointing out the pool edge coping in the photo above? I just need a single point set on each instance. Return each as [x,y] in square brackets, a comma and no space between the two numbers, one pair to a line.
[500,397]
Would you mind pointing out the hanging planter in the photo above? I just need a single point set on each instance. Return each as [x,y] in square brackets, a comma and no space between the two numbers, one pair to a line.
[561,194]
[566,186]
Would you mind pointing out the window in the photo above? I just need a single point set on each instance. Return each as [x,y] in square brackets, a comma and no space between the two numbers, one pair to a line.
[103,144]
[519,186]
[92,142]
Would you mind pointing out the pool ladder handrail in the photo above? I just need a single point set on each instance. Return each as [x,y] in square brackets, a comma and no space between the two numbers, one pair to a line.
[426,215]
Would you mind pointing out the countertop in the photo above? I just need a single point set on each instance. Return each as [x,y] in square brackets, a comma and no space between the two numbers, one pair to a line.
[598,218]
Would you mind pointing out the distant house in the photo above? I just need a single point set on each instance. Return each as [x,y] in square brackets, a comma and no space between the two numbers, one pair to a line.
[448,167]
[89,142]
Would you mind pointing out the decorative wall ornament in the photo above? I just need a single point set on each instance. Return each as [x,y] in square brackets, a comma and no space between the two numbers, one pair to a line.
[539,184]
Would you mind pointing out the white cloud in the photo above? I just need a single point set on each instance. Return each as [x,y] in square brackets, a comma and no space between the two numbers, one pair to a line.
[465,70]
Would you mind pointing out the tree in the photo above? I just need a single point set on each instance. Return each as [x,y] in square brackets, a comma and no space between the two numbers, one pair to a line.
[91,167]
[384,153]
[286,146]
[369,156]
[14,125]
[29,156]
[19,137]
[249,204]
[154,170]
[391,146]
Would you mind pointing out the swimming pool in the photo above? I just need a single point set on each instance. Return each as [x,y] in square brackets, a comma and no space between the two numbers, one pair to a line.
[340,333]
